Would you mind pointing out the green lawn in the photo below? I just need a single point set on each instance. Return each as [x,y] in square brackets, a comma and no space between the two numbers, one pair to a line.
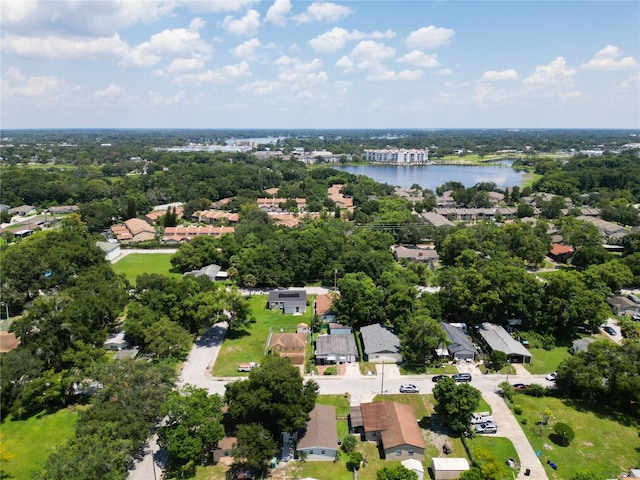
[341,402]
[603,444]
[249,345]
[501,448]
[136,264]
[32,440]
[445,369]
[546,361]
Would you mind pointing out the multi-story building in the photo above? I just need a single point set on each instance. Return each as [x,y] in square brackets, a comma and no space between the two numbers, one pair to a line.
[397,156]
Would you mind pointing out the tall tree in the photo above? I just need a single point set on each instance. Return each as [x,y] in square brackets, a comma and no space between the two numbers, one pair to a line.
[274,396]
[419,339]
[456,403]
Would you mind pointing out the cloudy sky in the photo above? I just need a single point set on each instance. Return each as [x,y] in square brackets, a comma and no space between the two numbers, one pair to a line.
[320,64]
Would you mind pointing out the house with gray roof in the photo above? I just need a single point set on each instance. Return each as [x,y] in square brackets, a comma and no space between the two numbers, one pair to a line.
[319,439]
[416,254]
[494,337]
[581,344]
[213,272]
[289,301]
[459,346]
[381,344]
[22,210]
[437,220]
[623,306]
[336,349]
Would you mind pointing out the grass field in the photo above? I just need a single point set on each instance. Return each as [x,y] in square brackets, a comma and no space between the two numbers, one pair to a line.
[136,264]
[501,448]
[32,440]
[603,444]
[546,361]
[249,345]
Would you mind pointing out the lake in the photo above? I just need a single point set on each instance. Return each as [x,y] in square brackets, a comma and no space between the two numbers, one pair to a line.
[432,176]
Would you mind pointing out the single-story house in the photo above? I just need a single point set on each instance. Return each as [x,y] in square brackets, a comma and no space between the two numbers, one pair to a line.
[62,209]
[289,301]
[22,210]
[415,466]
[416,254]
[448,468]
[290,345]
[134,230]
[224,449]
[319,439]
[395,428]
[339,329]
[4,207]
[495,337]
[213,272]
[561,253]
[336,349]
[581,345]
[381,344]
[459,346]
[111,250]
[623,306]
[322,308]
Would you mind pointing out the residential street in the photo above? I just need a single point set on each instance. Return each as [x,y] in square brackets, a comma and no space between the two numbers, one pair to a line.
[196,371]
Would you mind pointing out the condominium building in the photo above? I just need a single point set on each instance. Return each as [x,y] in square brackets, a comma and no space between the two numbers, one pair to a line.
[397,156]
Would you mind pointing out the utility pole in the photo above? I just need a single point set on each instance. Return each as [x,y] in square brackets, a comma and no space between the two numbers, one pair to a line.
[382,384]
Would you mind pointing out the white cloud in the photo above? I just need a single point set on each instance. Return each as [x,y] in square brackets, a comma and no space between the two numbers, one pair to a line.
[259,87]
[383,74]
[19,85]
[323,11]
[485,94]
[64,48]
[220,75]
[83,18]
[575,94]
[277,13]
[420,59]
[609,59]
[157,99]
[456,84]
[247,25]
[139,56]
[430,37]
[336,38]
[368,50]
[249,50]
[182,65]
[112,91]
[554,74]
[345,63]
[495,76]
[215,6]
[196,24]
[444,71]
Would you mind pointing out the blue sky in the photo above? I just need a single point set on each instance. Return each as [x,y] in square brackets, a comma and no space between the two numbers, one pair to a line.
[304,64]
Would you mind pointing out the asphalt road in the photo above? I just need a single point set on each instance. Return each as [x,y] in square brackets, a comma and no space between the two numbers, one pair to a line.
[196,371]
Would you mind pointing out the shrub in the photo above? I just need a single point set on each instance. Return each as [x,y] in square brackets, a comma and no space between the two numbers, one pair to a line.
[349,443]
[331,371]
[517,409]
[564,433]
[524,421]
[536,390]
[355,459]
[507,390]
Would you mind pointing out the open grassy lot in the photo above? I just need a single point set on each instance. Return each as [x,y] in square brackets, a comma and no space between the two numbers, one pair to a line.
[249,345]
[341,402]
[32,440]
[501,448]
[546,361]
[445,369]
[136,264]
[603,444]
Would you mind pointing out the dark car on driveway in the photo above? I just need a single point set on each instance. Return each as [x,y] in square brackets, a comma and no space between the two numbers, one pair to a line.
[610,330]
[462,377]
[437,378]
[520,386]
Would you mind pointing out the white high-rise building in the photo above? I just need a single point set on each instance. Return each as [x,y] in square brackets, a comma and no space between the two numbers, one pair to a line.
[397,156]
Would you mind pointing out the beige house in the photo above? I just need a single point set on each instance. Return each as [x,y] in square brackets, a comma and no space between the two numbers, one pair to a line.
[290,345]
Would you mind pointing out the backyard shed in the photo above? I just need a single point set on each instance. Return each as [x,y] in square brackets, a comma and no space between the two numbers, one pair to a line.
[448,468]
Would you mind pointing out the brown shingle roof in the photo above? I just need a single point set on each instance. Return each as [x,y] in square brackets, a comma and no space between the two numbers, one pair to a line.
[288,340]
[323,304]
[396,422]
[321,429]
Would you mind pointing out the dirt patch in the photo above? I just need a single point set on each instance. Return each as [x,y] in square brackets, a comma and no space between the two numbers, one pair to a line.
[438,433]
[341,368]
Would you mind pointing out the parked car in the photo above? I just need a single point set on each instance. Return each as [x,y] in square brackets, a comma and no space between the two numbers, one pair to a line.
[462,377]
[480,417]
[551,376]
[437,378]
[610,330]
[409,388]
[488,427]
[520,386]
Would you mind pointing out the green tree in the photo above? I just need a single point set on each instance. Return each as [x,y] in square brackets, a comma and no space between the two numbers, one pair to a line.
[564,432]
[507,390]
[456,403]
[397,472]
[255,445]
[359,302]
[498,359]
[274,396]
[349,443]
[419,339]
[193,425]
[355,460]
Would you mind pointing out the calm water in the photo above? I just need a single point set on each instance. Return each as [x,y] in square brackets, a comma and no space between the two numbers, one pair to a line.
[432,176]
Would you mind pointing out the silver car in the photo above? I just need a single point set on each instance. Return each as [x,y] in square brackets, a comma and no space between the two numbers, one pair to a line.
[488,427]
